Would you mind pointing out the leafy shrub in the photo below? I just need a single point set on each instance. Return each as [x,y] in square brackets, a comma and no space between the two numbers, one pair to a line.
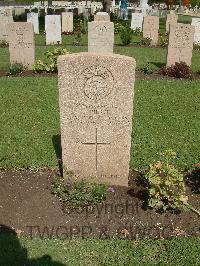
[145,42]
[137,32]
[197,46]
[118,26]
[16,69]
[166,185]
[179,70]
[163,40]
[77,38]
[51,64]
[78,193]
[126,34]
[3,44]
[147,69]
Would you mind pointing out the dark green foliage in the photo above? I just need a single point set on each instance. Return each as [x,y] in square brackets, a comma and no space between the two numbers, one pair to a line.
[3,44]
[16,69]
[145,42]
[147,69]
[179,70]
[126,34]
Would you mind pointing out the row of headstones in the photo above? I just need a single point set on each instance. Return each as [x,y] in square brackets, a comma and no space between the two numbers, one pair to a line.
[150,25]
[22,45]
[101,39]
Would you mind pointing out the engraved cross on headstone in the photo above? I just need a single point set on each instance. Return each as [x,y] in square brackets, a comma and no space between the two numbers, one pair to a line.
[96,143]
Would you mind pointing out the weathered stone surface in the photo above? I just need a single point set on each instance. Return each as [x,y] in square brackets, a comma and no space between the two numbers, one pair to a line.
[21,43]
[53,29]
[171,19]
[67,22]
[151,28]
[101,16]
[196,24]
[180,44]
[96,104]
[136,21]
[100,36]
[33,18]
[5,18]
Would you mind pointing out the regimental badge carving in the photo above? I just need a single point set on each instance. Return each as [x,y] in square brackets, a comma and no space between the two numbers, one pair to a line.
[98,83]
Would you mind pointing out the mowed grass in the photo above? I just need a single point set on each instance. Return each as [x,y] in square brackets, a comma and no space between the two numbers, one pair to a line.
[181,251]
[157,57]
[166,115]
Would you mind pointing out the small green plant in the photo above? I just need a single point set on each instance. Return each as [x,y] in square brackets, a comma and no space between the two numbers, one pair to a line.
[3,44]
[166,185]
[126,34]
[78,193]
[179,70]
[197,46]
[145,42]
[51,58]
[147,69]
[137,32]
[16,69]
[118,26]
[163,40]
[77,38]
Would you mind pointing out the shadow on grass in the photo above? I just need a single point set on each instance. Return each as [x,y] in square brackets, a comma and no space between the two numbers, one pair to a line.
[12,253]
[56,140]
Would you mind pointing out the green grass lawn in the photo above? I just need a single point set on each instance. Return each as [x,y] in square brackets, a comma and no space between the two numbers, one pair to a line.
[17,252]
[157,57]
[166,115]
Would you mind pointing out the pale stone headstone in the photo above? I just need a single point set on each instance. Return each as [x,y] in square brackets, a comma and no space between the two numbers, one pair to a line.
[180,44]
[67,22]
[19,11]
[21,43]
[151,28]
[100,36]
[33,18]
[96,105]
[101,16]
[4,21]
[137,21]
[171,19]
[53,29]
[196,24]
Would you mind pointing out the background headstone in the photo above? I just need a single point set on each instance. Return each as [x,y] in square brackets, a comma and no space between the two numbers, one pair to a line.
[151,28]
[33,18]
[180,44]
[67,22]
[96,104]
[137,21]
[21,43]
[100,36]
[171,19]
[53,29]
[4,21]
[196,24]
[101,16]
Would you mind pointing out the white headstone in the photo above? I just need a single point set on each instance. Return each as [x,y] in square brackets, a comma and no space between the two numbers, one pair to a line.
[196,24]
[33,18]
[53,29]
[100,36]
[137,21]
[67,22]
